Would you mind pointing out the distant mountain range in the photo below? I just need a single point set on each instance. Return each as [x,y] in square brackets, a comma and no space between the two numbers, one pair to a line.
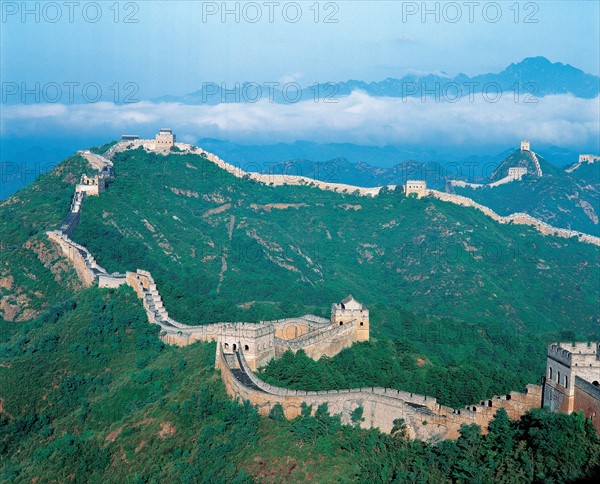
[533,76]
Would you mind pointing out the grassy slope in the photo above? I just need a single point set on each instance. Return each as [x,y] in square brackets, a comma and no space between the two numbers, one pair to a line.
[421,255]
[559,198]
[113,405]
[33,274]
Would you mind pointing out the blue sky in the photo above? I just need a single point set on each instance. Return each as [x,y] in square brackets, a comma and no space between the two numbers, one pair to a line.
[173,49]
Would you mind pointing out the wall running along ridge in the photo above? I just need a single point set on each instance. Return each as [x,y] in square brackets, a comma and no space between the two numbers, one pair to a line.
[425,419]
[279,180]
[243,347]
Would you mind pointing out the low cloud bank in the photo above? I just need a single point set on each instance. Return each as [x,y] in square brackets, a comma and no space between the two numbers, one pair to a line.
[562,120]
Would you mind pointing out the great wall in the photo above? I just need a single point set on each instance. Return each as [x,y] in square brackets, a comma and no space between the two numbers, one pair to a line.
[242,348]
[514,173]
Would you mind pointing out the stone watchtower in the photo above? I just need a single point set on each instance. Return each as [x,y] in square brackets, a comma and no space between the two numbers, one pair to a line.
[568,367]
[419,187]
[351,310]
[165,139]
[94,185]
[525,145]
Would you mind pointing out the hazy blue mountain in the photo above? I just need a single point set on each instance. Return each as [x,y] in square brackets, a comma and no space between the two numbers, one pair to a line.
[259,157]
[533,76]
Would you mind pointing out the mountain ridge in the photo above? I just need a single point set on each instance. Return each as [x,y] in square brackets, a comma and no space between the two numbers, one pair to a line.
[531,77]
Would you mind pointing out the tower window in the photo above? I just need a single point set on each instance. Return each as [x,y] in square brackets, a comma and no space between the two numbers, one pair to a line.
[246,348]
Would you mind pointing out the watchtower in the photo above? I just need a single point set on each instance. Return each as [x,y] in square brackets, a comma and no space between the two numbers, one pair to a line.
[419,187]
[566,363]
[351,310]
[165,139]
[525,145]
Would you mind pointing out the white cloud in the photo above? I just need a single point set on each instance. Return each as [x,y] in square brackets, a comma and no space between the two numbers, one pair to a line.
[292,77]
[359,118]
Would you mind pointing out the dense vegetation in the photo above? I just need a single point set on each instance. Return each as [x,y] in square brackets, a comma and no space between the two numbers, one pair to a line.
[562,199]
[221,248]
[88,393]
[32,273]
[254,261]
[397,364]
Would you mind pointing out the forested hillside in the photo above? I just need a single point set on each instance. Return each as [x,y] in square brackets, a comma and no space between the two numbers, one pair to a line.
[563,199]
[223,248]
[88,393]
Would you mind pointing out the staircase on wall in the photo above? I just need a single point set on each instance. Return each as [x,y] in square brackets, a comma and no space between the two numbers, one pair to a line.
[536,163]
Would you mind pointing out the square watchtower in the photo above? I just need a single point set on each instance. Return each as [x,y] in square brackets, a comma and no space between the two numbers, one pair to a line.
[165,139]
[566,363]
[351,310]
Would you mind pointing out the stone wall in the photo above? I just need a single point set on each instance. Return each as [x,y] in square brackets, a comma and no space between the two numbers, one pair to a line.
[98,162]
[424,418]
[278,180]
[328,341]
[109,281]
[84,263]
[587,400]
[318,336]
[514,174]
[516,218]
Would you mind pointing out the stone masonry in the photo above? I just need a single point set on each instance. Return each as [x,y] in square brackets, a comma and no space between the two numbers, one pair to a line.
[425,419]
[572,381]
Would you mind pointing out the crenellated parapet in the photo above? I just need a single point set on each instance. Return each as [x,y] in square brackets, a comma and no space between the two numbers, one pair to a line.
[260,342]
[568,366]
[424,417]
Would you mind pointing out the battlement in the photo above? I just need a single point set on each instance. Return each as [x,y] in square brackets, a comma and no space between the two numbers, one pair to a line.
[424,417]
[418,187]
[91,185]
[589,158]
[574,354]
